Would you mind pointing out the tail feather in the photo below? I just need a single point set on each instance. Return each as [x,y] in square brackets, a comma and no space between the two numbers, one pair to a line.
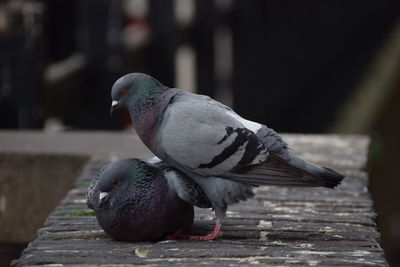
[327,176]
[330,177]
[292,172]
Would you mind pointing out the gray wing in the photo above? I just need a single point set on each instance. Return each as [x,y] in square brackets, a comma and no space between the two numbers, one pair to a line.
[273,142]
[206,138]
[282,168]
[92,193]
[186,188]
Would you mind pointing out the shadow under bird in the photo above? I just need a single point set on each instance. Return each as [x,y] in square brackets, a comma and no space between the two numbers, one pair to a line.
[225,154]
[136,200]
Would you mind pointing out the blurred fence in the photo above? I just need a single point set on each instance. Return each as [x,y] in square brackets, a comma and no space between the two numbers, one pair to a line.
[288,64]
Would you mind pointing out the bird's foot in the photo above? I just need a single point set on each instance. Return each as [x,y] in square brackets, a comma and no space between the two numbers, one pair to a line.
[216,233]
[178,235]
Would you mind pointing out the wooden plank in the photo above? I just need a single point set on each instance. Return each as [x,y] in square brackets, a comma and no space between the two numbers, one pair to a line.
[279,226]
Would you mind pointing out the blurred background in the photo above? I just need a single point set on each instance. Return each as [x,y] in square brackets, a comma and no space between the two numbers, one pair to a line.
[298,66]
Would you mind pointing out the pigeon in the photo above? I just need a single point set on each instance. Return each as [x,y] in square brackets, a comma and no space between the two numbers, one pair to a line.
[225,154]
[137,200]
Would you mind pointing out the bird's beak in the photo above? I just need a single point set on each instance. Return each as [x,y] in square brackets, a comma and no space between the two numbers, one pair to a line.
[102,195]
[114,107]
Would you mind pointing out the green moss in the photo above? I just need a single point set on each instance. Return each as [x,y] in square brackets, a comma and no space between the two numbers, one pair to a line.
[80,213]
[85,184]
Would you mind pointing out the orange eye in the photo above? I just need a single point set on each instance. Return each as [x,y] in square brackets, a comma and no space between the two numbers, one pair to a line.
[123,91]
[116,182]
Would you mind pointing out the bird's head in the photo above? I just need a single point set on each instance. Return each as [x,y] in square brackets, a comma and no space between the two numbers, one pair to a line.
[133,90]
[121,176]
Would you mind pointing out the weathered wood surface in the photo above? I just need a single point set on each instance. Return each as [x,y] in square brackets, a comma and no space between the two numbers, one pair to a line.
[280,226]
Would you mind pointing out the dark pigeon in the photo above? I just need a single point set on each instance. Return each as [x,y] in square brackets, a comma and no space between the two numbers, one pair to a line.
[221,151]
[136,200]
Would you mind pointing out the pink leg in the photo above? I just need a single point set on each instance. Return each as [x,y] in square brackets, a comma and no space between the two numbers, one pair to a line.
[216,233]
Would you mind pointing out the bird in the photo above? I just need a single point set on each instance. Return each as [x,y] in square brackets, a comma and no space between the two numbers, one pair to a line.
[136,200]
[224,153]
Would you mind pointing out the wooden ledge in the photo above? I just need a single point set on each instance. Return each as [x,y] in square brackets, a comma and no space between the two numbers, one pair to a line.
[279,226]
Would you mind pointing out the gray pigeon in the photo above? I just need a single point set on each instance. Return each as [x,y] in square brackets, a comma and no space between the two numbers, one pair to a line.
[136,200]
[224,153]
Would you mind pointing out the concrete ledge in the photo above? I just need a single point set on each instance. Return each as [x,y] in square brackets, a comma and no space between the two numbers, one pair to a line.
[32,185]
[280,226]
[96,144]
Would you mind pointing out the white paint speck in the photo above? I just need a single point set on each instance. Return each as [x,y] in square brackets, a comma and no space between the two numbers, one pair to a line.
[264,224]
[167,241]
[232,212]
[327,229]
[312,263]
[360,253]
[306,245]
[307,252]
[292,261]
[141,253]
[62,251]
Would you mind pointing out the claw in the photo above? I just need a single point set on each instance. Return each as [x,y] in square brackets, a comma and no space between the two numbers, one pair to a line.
[216,233]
